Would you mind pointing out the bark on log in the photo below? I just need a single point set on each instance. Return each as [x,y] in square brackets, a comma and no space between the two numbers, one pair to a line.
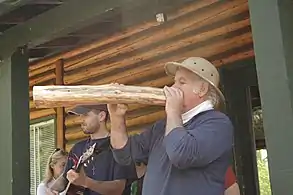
[63,96]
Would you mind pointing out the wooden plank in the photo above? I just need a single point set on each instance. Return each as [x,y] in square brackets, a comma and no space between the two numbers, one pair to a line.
[131,107]
[77,134]
[129,32]
[55,23]
[178,28]
[41,113]
[62,96]
[157,34]
[165,80]
[60,119]
[43,69]
[150,68]
[45,77]
[140,120]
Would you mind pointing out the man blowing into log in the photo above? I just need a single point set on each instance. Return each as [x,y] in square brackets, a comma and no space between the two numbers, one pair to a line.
[101,175]
[189,151]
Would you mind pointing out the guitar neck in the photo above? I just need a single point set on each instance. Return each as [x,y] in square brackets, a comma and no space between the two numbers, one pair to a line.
[78,167]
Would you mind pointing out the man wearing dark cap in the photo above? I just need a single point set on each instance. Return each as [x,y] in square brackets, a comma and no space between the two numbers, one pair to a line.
[102,175]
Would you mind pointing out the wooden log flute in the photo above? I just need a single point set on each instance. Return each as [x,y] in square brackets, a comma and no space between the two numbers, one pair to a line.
[64,96]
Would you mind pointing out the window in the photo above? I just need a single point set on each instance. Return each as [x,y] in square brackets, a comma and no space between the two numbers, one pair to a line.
[42,144]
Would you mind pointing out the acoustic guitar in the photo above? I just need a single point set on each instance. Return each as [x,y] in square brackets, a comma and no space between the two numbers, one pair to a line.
[85,159]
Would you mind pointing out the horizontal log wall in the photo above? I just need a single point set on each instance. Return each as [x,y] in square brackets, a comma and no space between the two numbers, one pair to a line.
[217,30]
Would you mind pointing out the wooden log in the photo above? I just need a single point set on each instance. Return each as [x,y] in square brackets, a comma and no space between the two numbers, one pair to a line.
[161,33]
[41,113]
[63,96]
[142,118]
[40,79]
[176,29]
[77,55]
[160,82]
[237,57]
[131,107]
[77,134]
[151,68]
[48,67]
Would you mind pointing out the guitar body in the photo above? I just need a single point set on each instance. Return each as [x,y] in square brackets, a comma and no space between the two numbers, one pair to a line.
[75,190]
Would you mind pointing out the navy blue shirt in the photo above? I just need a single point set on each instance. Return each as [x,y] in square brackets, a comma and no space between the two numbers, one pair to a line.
[102,167]
[190,160]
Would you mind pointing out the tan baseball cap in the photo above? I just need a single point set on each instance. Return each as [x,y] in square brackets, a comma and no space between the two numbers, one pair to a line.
[202,68]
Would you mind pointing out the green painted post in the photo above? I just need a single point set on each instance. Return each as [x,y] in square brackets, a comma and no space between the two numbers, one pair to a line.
[14,125]
[272,29]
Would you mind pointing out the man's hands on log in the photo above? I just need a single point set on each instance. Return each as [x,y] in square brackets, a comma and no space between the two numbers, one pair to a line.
[174,101]
[173,108]
[117,114]
[117,110]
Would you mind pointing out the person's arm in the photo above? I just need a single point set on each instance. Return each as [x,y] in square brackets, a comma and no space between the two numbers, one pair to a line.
[201,145]
[59,184]
[233,190]
[231,186]
[123,176]
[102,187]
[136,148]
[115,187]
[126,149]
[43,190]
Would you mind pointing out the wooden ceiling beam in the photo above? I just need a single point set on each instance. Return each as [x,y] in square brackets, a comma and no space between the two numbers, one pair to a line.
[55,23]
[46,2]
[8,5]
[140,43]
[130,21]
[155,34]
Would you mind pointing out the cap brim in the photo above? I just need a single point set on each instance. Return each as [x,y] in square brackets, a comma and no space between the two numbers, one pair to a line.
[172,67]
[78,111]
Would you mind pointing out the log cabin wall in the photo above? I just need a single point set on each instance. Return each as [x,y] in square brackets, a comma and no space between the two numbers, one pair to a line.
[217,30]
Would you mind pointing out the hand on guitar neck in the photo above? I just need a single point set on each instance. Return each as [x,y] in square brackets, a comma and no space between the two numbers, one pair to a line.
[77,178]
[77,175]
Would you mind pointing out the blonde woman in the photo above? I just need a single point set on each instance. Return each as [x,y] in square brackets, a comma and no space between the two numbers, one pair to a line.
[54,169]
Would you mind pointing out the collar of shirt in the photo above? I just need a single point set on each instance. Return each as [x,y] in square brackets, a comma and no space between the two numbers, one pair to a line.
[204,106]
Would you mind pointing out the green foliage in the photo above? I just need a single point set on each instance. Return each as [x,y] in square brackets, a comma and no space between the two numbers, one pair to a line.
[263,174]
[134,188]
[262,162]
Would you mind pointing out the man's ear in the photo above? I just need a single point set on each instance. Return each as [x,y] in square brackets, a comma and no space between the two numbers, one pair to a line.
[204,89]
[102,116]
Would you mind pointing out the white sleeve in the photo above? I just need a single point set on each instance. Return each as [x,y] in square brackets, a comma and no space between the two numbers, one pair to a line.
[42,189]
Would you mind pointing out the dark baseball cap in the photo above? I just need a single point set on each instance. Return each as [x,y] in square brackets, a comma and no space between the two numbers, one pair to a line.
[83,109]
